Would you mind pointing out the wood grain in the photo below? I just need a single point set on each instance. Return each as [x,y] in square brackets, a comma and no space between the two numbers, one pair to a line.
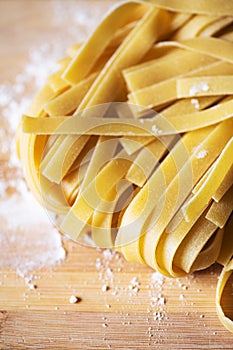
[120,318]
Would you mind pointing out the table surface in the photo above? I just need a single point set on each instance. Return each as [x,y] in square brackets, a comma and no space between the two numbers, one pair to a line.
[159,314]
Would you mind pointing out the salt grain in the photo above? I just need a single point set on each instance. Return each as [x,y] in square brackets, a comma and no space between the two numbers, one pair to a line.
[155,129]
[134,285]
[158,316]
[109,272]
[74,299]
[202,154]
[200,87]
[108,254]
[161,301]
[98,264]
[181,297]
[134,281]
[105,288]
[199,153]
[205,87]
[195,103]
[157,277]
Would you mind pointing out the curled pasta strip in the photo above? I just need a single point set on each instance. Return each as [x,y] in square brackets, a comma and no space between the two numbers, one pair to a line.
[216,7]
[224,277]
[131,140]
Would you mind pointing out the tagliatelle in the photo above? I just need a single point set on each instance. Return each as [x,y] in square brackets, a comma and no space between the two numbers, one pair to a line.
[224,277]
[220,212]
[212,182]
[209,7]
[225,185]
[208,46]
[154,185]
[193,27]
[146,161]
[166,91]
[205,86]
[68,101]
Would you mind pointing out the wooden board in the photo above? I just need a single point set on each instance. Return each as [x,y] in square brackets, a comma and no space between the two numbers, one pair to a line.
[122,317]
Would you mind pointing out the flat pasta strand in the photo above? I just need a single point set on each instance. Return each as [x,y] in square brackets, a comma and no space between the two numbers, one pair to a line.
[224,186]
[117,127]
[223,278]
[207,46]
[203,195]
[210,7]
[227,245]
[221,211]
[205,86]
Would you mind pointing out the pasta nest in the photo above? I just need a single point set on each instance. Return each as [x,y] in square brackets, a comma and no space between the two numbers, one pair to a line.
[130,142]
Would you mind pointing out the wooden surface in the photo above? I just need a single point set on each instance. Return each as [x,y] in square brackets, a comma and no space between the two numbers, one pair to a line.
[121,317]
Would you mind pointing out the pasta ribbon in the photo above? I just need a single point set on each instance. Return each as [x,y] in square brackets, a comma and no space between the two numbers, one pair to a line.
[224,277]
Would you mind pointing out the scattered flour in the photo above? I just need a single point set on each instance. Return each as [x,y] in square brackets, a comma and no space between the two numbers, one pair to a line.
[28,241]
[134,286]
[109,263]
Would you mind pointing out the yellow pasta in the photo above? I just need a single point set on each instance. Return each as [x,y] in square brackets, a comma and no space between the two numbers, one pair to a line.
[215,26]
[225,185]
[208,46]
[227,244]
[57,83]
[131,140]
[166,91]
[159,125]
[160,69]
[132,144]
[68,101]
[220,212]
[193,27]
[210,7]
[146,161]
[205,86]
[213,180]
[224,277]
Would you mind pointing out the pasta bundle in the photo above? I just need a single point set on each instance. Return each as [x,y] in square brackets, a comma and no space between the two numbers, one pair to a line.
[131,140]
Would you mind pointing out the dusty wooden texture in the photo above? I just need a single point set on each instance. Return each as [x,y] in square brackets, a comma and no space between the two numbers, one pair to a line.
[119,318]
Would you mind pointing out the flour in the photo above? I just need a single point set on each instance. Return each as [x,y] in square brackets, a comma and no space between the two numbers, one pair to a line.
[28,240]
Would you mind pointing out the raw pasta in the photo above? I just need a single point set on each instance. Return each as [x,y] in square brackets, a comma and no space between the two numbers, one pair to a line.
[131,140]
